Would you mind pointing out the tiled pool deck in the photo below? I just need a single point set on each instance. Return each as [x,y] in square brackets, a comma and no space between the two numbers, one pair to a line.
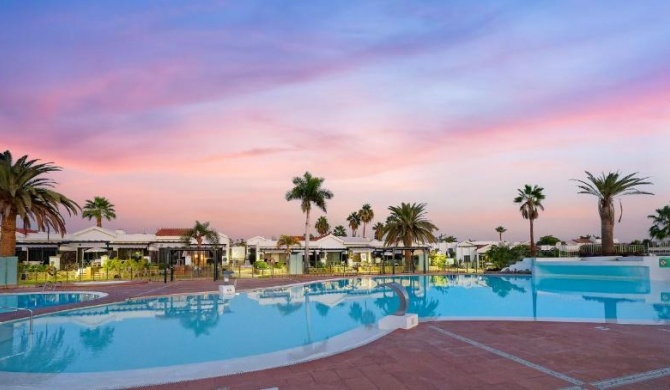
[450,354]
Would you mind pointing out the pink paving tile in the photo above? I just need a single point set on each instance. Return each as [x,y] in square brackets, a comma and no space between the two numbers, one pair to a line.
[359,383]
[325,376]
[385,381]
[348,373]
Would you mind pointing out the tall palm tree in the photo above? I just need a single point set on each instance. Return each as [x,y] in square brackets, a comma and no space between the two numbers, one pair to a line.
[322,226]
[530,199]
[354,222]
[606,188]
[379,231]
[98,208]
[339,231]
[200,232]
[500,230]
[408,224]
[287,242]
[660,230]
[25,193]
[366,215]
[307,189]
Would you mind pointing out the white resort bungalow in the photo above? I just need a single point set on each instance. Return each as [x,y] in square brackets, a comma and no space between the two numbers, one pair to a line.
[331,249]
[97,245]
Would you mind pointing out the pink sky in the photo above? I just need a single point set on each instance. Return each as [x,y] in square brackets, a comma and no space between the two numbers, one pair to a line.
[206,112]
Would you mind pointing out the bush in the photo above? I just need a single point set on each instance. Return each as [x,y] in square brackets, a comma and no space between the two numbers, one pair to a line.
[503,256]
[261,265]
[438,260]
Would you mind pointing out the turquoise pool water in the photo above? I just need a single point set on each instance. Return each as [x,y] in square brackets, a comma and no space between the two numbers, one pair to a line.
[203,328]
[9,302]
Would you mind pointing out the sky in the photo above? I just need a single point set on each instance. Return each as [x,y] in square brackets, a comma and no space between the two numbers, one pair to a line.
[178,111]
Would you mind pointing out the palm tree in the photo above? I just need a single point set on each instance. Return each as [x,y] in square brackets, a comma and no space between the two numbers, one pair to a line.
[354,222]
[98,208]
[448,239]
[287,242]
[379,231]
[606,188]
[307,189]
[660,230]
[339,231]
[26,194]
[322,226]
[408,224]
[500,230]
[200,232]
[366,215]
[530,199]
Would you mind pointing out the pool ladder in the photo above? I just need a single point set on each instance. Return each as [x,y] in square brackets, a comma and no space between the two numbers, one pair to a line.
[30,320]
[50,286]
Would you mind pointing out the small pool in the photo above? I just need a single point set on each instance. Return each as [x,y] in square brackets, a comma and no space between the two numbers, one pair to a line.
[32,301]
[180,337]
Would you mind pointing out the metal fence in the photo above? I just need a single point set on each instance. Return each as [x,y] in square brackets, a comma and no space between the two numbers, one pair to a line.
[42,275]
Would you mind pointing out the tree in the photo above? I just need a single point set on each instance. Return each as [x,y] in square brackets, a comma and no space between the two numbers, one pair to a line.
[98,208]
[200,232]
[307,189]
[25,193]
[366,215]
[660,230]
[500,230]
[530,199]
[322,226]
[354,222]
[606,188]
[287,242]
[339,231]
[548,240]
[379,231]
[448,239]
[408,224]
[503,256]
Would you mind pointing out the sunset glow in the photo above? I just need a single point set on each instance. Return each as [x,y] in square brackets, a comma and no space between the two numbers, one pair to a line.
[179,111]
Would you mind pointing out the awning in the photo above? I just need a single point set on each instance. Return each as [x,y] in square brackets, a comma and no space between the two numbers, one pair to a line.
[96,250]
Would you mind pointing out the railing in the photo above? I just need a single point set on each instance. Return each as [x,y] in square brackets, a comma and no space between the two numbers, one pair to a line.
[619,249]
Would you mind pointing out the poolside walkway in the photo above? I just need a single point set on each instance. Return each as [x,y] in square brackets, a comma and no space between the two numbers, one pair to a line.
[452,354]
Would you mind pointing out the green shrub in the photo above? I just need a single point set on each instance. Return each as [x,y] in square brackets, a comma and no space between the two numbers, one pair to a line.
[261,265]
[503,256]
[438,260]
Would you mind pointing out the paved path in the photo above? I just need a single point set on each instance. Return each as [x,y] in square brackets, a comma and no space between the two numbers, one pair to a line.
[453,354]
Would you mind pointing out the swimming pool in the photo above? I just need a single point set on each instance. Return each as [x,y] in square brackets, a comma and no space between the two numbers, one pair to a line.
[206,335]
[37,300]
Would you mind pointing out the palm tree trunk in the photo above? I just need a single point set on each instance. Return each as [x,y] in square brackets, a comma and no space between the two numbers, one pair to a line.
[363,229]
[533,250]
[8,243]
[306,259]
[607,228]
[98,221]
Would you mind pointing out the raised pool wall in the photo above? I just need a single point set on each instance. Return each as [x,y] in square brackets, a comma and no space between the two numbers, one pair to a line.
[655,268]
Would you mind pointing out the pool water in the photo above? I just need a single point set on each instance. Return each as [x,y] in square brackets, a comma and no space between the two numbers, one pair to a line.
[9,302]
[200,328]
